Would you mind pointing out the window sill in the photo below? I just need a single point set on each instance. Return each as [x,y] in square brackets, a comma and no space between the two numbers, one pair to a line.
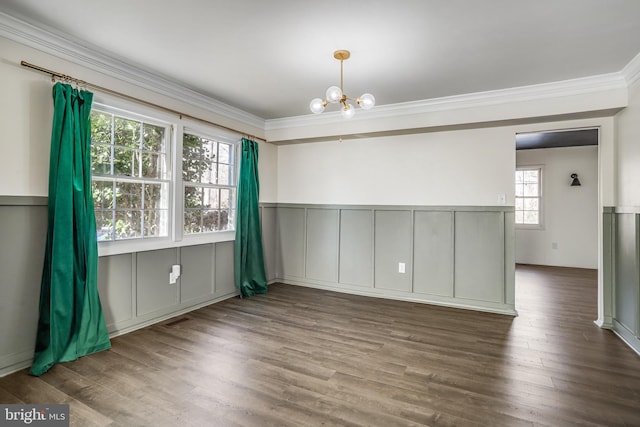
[133,245]
[530,227]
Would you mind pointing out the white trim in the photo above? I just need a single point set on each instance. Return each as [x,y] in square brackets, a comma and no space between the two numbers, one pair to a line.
[51,41]
[15,362]
[626,336]
[151,244]
[54,42]
[505,309]
[18,361]
[631,71]
[128,329]
[585,85]
[604,324]
[541,204]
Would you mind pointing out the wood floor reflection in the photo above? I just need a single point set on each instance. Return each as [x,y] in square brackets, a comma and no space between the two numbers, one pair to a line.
[300,356]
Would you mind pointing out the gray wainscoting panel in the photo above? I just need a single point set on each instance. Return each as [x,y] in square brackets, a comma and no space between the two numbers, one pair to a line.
[356,247]
[134,287]
[368,240]
[269,245]
[392,246]
[23,231]
[291,234]
[196,281]
[115,285]
[510,257]
[225,281]
[433,253]
[153,289]
[479,256]
[322,244]
[626,265]
[608,266]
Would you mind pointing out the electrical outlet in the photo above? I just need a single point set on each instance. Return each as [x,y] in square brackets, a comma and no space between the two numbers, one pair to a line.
[175,269]
[401,267]
[502,199]
[174,274]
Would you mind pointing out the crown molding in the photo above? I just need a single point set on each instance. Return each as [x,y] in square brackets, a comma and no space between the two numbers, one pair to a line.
[580,86]
[631,71]
[63,46]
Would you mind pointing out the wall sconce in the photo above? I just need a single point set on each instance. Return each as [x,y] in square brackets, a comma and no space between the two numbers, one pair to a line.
[576,181]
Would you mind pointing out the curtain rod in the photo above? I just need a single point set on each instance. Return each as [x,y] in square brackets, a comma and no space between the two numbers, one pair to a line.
[55,74]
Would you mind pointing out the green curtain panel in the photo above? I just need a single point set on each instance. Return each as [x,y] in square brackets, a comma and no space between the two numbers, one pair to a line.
[71,322]
[249,260]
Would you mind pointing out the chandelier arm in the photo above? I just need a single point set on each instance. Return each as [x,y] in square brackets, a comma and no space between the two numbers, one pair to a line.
[366,101]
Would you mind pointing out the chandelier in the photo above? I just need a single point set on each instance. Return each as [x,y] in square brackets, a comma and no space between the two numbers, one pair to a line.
[336,94]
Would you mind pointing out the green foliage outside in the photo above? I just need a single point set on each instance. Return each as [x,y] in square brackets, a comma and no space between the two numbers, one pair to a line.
[205,162]
[131,182]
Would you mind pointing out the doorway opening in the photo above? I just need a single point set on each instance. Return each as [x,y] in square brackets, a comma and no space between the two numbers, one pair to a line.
[557,198]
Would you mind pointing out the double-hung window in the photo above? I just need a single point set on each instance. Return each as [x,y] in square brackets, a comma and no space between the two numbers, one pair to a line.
[131,176]
[208,176]
[155,184]
[528,199]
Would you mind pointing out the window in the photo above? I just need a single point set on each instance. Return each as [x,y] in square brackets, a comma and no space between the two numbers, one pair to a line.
[155,184]
[208,174]
[528,196]
[130,176]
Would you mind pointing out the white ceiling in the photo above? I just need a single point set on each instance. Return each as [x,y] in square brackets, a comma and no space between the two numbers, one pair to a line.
[270,58]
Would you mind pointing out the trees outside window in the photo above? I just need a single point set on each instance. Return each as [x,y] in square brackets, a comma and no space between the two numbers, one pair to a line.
[135,190]
[208,175]
[131,177]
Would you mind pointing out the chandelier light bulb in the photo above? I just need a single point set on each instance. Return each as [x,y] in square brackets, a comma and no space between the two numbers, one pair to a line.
[334,94]
[348,111]
[366,101]
[317,105]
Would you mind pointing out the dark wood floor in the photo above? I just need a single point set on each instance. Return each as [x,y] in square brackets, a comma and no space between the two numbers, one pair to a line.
[300,356]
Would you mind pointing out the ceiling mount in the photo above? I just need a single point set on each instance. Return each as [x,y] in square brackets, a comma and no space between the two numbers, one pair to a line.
[341,55]
[336,94]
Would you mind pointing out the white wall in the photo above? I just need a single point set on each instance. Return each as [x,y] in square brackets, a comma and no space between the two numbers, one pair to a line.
[626,259]
[26,111]
[628,150]
[268,172]
[466,167]
[570,213]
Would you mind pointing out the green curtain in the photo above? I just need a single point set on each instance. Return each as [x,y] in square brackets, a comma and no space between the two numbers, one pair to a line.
[71,322]
[249,260]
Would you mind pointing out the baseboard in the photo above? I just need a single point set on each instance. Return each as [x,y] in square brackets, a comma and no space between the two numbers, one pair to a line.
[605,323]
[19,361]
[15,362]
[626,336]
[117,331]
[369,292]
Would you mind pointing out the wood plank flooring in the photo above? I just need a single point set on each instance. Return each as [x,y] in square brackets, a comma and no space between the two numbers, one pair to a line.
[300,356]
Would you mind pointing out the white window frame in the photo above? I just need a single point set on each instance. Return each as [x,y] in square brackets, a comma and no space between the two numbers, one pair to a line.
[129,245]
[176,237]
[220,136]
[541,204]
